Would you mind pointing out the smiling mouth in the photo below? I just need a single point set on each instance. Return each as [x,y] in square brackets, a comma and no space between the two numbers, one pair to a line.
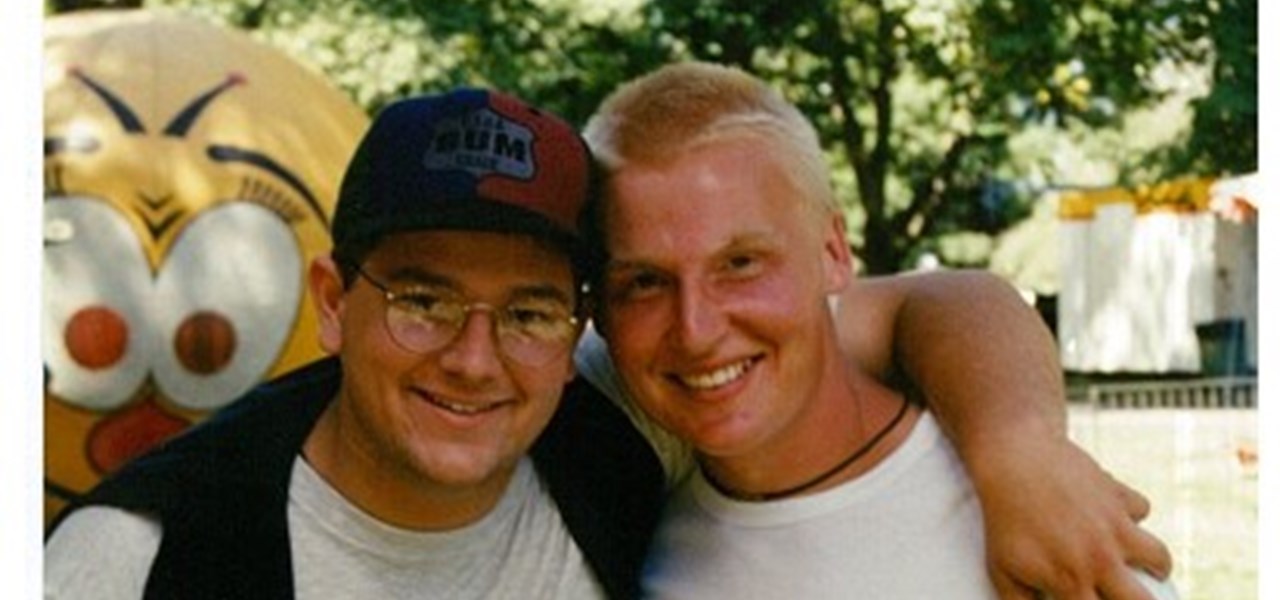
[462,409]
[717,378]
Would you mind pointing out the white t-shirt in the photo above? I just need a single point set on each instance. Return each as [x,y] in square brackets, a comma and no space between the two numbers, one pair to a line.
[341,552]
[519,550]
[909,528]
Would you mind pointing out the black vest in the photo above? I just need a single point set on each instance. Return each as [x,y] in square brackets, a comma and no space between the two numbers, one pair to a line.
[220,491]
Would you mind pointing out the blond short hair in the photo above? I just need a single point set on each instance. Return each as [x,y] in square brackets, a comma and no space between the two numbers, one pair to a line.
[654,118]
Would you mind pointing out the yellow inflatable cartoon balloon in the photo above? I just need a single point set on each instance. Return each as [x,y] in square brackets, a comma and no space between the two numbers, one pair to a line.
[190,174]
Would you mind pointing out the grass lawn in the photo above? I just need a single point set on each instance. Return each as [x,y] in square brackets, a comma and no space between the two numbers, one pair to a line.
[1205,501]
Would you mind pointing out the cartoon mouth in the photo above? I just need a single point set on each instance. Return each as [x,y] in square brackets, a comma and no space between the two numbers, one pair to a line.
[717,378]
[122,436]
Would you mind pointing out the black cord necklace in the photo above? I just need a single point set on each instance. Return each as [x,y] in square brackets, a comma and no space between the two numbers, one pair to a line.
[859,453]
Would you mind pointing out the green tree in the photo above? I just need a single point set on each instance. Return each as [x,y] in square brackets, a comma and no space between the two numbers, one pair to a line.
[564,55]
[61,6]
[917,101]
[1224,133]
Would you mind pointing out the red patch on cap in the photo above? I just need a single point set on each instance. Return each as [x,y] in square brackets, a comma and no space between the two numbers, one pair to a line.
[558,189]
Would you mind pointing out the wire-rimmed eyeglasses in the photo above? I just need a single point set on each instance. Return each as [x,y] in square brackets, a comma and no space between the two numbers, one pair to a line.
[530,330]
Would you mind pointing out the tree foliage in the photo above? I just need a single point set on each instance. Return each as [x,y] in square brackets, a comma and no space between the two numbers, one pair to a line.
[919,99]
[915,100]
[560,54]
[1224,132]
[61,6]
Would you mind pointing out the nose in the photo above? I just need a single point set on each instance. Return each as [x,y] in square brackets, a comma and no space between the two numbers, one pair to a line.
[473,352]
[701,321]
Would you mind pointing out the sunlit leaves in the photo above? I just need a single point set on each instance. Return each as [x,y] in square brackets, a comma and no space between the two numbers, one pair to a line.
[917,101]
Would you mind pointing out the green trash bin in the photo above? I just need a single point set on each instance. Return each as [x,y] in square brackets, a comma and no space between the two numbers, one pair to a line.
[1222,347]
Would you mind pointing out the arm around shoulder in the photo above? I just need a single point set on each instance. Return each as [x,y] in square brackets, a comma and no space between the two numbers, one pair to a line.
[988,367]
[980,355]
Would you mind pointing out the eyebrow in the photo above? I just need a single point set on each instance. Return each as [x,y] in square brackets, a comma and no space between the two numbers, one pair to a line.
[748,241]
[542,292]
[538,291]
[125,115]
[185,118]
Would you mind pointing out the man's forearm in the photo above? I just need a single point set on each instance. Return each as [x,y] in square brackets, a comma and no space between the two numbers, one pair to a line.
[982,358]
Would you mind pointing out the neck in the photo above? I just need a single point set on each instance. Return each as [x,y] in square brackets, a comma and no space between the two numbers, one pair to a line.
[389,490]
[827,478]
[849,438]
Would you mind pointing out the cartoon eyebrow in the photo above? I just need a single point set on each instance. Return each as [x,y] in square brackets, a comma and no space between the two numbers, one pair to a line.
[181,122]
[257,159]
[187,117]
[178,127]
[123,113]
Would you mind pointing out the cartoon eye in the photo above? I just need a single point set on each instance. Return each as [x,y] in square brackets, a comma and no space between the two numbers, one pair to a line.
[97,288]
[225,302]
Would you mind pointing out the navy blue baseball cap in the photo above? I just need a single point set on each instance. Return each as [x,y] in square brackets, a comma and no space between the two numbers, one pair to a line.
[469,159]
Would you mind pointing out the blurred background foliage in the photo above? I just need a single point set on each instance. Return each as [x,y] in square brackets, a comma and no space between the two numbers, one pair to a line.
[944,120]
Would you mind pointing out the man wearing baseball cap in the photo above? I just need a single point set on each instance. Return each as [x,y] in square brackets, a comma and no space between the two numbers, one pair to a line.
[446,449]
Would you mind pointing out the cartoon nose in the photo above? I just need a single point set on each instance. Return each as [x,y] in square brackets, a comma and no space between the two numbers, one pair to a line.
[96,337]
[205,342]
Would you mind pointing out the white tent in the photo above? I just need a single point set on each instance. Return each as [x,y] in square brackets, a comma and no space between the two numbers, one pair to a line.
[1142,269]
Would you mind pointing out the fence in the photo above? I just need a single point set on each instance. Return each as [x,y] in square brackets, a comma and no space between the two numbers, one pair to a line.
[1190,446]
[1211,392]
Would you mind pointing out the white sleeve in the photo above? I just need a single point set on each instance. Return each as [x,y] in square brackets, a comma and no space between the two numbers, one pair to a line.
[1161,590]
[102,553]
[593,363]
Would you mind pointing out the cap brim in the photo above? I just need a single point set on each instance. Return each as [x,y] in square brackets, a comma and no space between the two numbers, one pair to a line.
[477,214]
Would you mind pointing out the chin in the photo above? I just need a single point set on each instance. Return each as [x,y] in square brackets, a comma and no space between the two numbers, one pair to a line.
[459,466]
[717,442]
[463,475]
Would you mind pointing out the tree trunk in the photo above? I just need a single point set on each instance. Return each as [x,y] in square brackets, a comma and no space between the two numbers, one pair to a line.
[878,254]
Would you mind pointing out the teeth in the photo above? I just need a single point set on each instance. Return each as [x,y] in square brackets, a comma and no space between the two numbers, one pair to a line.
[461,409]
[716,378]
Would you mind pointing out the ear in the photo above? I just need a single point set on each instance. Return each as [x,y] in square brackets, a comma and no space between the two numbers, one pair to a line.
[328,295]
[571,370]
[837,260]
